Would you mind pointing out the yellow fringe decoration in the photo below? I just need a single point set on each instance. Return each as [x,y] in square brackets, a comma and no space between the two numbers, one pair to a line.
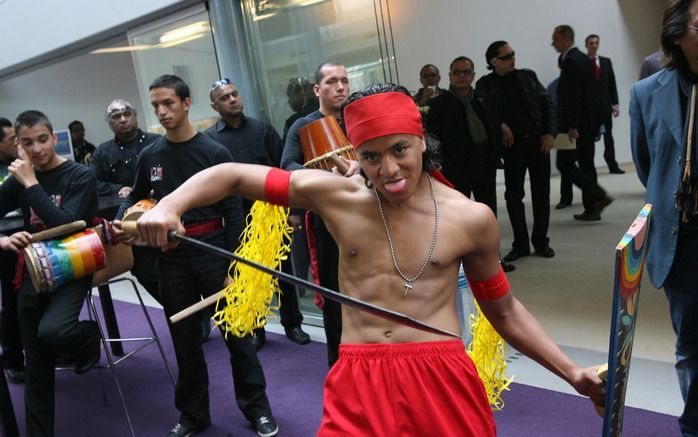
[266,240]
[487,352]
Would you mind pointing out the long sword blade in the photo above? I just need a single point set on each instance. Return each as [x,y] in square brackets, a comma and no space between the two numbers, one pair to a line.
[330,294]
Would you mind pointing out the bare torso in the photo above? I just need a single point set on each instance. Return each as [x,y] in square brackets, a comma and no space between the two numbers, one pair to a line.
[366,269]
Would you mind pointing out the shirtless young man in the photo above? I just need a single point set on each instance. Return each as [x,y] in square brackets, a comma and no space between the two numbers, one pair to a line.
[391,379]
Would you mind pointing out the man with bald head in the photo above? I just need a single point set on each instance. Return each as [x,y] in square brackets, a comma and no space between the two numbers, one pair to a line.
[114,161]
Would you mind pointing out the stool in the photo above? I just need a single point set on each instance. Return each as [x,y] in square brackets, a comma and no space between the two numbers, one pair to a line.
[105,340]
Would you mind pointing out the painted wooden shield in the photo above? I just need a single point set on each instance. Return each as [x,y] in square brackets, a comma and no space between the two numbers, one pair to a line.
[630,258]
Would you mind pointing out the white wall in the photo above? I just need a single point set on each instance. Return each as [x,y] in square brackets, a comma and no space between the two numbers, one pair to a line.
[79,88]
[34,29]
[435,32]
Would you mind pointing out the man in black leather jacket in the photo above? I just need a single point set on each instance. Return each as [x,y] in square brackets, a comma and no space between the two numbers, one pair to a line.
[519,104]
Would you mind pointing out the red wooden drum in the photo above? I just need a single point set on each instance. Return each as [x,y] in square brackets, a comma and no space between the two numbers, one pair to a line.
[53,263]
[322,140]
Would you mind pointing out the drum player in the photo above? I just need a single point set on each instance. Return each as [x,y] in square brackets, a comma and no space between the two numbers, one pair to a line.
[51,191]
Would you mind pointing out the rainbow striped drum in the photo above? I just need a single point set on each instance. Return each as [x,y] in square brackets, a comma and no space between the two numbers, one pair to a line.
[53,263]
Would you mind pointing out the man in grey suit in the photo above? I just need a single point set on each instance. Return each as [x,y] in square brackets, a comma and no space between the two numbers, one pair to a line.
[660,106]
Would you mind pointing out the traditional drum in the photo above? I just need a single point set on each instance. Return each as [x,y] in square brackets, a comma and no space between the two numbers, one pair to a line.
[53,263]
[138,209]
[323,142]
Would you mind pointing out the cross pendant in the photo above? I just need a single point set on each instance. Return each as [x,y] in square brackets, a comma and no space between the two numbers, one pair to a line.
[408,287]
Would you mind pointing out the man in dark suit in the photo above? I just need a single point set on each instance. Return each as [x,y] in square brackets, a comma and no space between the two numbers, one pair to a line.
[578,119]
[608,100]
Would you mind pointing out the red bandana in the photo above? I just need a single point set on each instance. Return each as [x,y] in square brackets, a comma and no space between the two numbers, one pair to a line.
[384,114]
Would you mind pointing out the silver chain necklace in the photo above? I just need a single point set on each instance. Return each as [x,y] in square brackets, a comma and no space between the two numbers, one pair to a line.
[410,281]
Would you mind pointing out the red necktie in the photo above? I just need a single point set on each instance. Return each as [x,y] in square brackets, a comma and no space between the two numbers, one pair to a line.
[597,69]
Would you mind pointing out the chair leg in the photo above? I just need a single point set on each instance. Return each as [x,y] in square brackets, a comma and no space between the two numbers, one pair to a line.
[92,315]
[112,367]
[156,339]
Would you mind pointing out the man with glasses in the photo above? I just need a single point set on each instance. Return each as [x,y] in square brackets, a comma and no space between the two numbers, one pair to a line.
[186,273]
[468,152]
[253,141]
[429,77]
[520,106]
[577,117]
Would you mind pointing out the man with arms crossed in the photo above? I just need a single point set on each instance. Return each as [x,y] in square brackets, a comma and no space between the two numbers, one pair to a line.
[389,261]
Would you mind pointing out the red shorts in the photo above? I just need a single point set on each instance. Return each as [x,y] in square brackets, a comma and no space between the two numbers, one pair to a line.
[406,389]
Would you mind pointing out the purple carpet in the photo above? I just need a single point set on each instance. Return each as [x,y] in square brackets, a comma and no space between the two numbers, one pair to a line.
[294,376]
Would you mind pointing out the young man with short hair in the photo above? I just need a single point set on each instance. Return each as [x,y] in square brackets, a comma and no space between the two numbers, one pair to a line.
[402,235]
[188,273]
[331,88]
[51,191]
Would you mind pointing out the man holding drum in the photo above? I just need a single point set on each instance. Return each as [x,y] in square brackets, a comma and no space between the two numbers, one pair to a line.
[402,235]
[332,88]
[51,191]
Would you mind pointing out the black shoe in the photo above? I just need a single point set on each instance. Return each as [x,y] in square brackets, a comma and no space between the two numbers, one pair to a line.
[15,376]
[616,170]
[562,205]
[259,337]
[599,206]
[506,267]
[297,335]
[266,426]
[587,217]
[515,254]
[88,357]
[545,251]
[181,430]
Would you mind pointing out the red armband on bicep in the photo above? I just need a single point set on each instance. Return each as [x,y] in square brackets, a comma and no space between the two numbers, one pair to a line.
[276,186]
[492,288]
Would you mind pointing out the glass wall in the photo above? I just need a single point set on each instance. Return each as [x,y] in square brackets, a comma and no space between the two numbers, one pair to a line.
[288,39]
[182,45]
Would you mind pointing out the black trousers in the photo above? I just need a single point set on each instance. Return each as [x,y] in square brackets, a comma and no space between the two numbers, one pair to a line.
[479,181]
[49,325]
[328,260]
[145,267]
[577,167]
[183,280]
[609,149]
[9,323]
[522,156]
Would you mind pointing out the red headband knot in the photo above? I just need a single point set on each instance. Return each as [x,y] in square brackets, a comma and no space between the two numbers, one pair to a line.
[382,114]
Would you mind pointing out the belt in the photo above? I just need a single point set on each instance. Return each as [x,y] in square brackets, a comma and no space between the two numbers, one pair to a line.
[204,227]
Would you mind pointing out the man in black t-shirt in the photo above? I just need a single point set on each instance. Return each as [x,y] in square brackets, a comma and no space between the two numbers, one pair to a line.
[331,88]
[186,273]
[51,191]
[12,355]
[253,141]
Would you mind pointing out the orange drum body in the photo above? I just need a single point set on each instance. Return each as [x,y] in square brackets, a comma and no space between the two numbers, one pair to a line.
[321,139]
[138,209]
[55,262]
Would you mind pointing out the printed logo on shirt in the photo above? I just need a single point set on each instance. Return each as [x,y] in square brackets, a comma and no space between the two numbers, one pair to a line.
[35,221]
[155,174]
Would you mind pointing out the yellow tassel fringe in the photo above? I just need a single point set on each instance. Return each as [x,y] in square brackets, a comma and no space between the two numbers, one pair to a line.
[487,352]
[266,240]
